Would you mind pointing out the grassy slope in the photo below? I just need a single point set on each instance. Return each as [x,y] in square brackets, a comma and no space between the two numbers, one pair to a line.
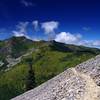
[15,46]
[50,63]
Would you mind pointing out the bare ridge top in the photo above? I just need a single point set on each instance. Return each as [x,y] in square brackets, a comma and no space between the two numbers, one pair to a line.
[79,83]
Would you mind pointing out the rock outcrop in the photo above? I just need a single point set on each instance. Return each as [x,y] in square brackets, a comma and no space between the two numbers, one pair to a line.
[79,83]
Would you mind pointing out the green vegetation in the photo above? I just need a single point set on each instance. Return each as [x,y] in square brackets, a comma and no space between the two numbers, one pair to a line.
[14,47]
[20,46]
[30,78]
[48,61]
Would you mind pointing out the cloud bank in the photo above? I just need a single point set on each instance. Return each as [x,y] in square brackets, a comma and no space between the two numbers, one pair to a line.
[67,37]
[77,39]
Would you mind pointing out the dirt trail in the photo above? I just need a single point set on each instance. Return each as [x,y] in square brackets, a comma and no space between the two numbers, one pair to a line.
[92,90]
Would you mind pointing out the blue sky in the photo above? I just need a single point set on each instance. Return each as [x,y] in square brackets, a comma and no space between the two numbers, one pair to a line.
[76,21]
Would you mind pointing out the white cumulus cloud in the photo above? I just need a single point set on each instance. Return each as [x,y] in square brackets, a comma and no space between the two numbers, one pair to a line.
[21,29]
[35,25]
[96,43]
[67,37]
[90,43]
[49,27]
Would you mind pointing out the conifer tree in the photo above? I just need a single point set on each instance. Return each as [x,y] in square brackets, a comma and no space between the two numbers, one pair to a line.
[30,80]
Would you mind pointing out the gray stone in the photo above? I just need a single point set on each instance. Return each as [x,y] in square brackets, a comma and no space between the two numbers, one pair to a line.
[79,83]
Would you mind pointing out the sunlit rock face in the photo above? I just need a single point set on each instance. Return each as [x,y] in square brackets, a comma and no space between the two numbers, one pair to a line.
[79,83]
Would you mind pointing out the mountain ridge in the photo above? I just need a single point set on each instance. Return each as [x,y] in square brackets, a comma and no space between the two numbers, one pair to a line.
[52,59]
[16,47]
[71,84]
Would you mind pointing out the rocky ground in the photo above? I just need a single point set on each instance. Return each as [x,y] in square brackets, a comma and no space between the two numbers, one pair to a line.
[79,83]
[14,61]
